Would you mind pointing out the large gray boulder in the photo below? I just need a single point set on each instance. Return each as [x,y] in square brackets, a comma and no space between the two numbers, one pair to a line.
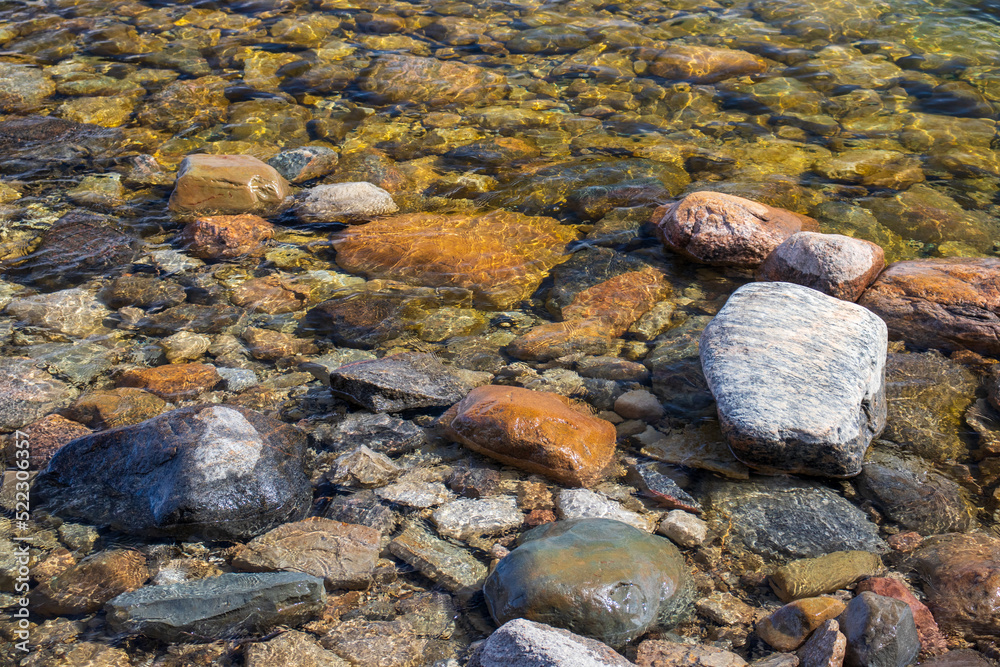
[798,378]
[212,471]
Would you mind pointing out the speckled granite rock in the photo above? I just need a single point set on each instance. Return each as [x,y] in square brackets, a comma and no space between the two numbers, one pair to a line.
[596,577]
[840,266]
[345,202]
[528,644]
[823,400]
[468,517]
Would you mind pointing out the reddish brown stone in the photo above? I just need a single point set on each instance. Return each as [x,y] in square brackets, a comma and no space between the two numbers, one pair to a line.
[85,587]
[405,78]
[537,431]
[227,236]
[501,256]
[270,345]
[931,639]
[948,304]
[837,265]
[904,543]
[725,230]
[45,437]
[961,575]
[173,381]
[116,407]
[700,64]
[538,517]
[227,185]
[272,295]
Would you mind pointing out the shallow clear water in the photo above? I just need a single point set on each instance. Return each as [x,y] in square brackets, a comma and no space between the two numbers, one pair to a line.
[878,118]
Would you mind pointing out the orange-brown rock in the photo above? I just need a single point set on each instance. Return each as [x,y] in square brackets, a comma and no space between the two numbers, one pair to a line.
[227,185]
[85,587]
[948,304]
[594,318]
[501,256]
[536,431]
[619,301]
[173,381]
[271,294]
[700,64]
[789,627]
[55,563]
[116,407]
[931,639]
[227,236]
[45,437]
[552,340]
[725,230]
[405,78]
[269,345]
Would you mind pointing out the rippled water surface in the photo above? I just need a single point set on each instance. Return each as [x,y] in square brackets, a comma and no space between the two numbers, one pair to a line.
[878,118]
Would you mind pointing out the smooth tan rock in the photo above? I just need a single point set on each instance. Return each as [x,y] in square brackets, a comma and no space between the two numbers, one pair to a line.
[501,256]
[537,431]
[948,304]
[837,265]
[227,185]
[227,236]
[809,577]
[173,381]
[725,230]
[789,627]
[343,554]
[84,588]
[700,64]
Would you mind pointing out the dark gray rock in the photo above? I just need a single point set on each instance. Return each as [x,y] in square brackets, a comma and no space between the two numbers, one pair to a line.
[218,607]
[217,472]
[398,382]
[78,246]
[908,491]
[676,371]
[524,643]
[363,508]
[381,433]
[660,487]
[799,379]
[27,392]
[42,143]
[191,317]
[599,578]
[880,632]
[784,518]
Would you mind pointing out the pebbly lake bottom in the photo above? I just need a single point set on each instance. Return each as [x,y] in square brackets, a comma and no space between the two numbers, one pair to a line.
[292,374]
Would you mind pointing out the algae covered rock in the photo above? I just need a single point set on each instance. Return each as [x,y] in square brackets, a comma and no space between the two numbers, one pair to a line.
[809,577]
[595,577]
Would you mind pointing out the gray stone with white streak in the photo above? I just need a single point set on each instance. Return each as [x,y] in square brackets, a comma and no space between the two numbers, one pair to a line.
[524,643]
[798,378]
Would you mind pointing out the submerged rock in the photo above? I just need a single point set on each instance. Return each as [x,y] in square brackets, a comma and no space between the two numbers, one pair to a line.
[28,393]
[172,382]
[787,628]
[397,382]
[948,304]
[500,256]
[784,518]
[43,143]
[227,605]
[227,185]
[74,312]
[85,587]
[212,471]
[227,236]
[537,431]
[808,577]
[395,78]
[724,230]
[439,561]
[700,64]
[824,360]
[596,577]
[305,163]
